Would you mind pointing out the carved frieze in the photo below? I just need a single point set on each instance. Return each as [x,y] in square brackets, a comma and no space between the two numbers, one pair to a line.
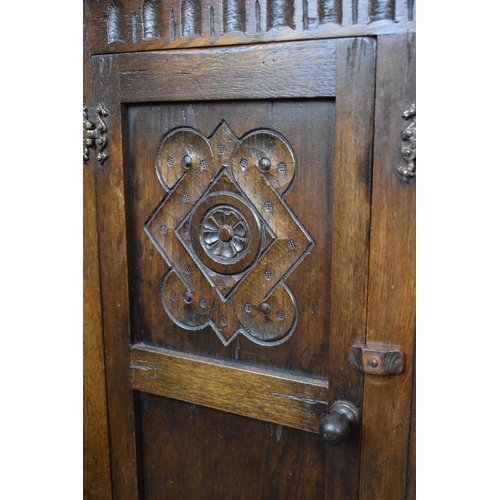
[227,233]
[154,24]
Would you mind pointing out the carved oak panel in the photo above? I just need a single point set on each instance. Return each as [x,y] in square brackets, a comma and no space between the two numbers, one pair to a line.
[227,233]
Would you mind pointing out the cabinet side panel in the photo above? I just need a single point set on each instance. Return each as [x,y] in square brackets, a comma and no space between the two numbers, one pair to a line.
[391,295]
[96,469]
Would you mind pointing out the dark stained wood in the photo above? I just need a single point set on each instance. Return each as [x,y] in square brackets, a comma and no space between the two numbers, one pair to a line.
[96,467]
[265,394]
[304,69]
[216,413]
[391,298]
[305,352]
[192,452]
[411,480]
[114,283]
[173,24]
[351,220]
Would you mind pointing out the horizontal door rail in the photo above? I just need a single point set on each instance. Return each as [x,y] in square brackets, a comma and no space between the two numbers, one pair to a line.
[269,395]
[298,69]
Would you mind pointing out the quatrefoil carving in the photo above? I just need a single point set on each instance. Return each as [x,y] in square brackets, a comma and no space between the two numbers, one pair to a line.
[227,234]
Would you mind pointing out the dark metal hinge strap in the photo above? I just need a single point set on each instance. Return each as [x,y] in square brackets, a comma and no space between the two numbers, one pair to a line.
[95,133]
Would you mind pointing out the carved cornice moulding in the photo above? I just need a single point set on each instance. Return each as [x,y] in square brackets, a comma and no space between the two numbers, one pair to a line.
[141,25]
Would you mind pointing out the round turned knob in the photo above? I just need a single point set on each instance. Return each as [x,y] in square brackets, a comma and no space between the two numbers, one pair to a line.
[338,424]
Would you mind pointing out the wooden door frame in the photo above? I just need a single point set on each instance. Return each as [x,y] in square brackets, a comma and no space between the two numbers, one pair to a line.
[391,281]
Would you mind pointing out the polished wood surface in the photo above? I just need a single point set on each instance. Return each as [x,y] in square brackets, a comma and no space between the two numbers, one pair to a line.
[194,452]
[115,305]
[305,69]
[96,466]
[391,296]
[351,220]
[198,406]
[269,395]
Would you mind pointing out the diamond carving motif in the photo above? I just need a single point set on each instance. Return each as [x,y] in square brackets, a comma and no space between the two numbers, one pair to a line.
[227,234]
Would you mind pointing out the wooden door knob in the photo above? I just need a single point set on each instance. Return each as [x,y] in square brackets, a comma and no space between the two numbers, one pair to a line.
[336,426]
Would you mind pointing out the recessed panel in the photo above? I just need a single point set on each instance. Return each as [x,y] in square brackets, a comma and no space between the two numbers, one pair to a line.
[230,227]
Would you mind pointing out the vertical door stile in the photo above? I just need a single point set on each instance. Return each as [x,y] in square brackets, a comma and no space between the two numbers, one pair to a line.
[391,294]
[351,214]
[114,281]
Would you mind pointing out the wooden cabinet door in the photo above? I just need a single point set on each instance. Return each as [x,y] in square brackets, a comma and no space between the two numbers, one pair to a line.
[233,198]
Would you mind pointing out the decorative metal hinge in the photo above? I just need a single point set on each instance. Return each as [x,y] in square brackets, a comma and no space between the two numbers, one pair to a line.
[95,134]
[377,359]
[409,145]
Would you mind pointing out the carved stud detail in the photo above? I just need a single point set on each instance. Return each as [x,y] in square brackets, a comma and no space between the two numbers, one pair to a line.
[409,145]
[244,164]
[265,164]
[234,281]
[265,308]
[187,162]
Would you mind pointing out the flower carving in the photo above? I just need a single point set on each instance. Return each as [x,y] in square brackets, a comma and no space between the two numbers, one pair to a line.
[225,233]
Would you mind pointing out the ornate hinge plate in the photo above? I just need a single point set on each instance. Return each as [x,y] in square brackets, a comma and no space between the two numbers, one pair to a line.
[409,145]
[377,359]
[95,134]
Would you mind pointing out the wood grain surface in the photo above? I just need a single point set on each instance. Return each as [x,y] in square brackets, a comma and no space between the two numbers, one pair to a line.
[190,416]
[351,222]
[306,351]
[391,296]
[268,395]
[96,466]
[194,452]
[302,69]
[114,283]
[411,478]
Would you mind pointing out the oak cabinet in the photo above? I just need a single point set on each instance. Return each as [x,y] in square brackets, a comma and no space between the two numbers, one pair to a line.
[250,181]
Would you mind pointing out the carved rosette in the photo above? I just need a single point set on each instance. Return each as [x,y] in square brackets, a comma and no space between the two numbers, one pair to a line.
[227,233]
